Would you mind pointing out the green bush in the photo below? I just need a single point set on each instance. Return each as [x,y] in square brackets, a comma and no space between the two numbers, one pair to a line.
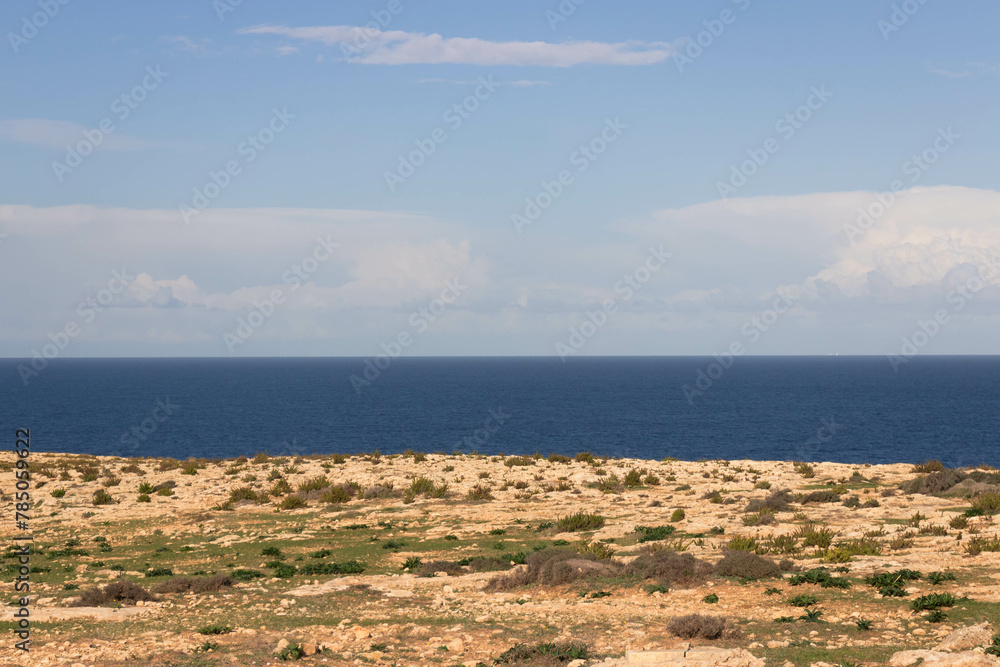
[815,537]
[242,493]
[293,503]
[519,461]
[804,600]
[930,465]
[933,601]
[579,522]
[159,572]
[348,567]
[215,629]
[742,543]
[987,503]
[315,484]
[652,534]
[246,575]
[102,497]
[57,493]
[284,570]
[677,515]
[821,577]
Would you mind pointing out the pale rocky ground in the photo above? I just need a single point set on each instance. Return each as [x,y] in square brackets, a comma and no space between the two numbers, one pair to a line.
[388,616]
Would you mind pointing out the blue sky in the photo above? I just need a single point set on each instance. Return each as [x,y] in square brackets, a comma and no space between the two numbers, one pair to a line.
[894,83]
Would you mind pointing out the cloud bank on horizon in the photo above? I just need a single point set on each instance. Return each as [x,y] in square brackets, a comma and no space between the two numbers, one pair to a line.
[192,284]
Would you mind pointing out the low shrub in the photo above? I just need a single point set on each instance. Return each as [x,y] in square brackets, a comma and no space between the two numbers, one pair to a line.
[804,600]
[293,503]
[479,492]
[102,497]
[764,517]
[698,626]
[933,601]
[242,494]
[315,484]
[652,534]
[544,655]
[930,465]
[776,501]
[580,521]
[159,572]
[812,536]
[216,629]
[779,544]
[977,545]
[819,497]
[678,570]
[821,577]
[938,481]
[599,550]
[746,565]
[348,567]
[552,567]
[195,585]
[519,461]
[987,503]
[677,515]
[742,543]
[123,592]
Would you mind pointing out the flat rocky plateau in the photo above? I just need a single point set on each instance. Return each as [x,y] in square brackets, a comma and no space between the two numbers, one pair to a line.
[457,559]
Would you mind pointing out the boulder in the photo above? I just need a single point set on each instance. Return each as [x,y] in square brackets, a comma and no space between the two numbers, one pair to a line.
[942,659]
[968,637]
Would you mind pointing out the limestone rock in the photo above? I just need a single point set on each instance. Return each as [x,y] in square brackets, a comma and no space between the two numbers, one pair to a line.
[942,659]
[966,638]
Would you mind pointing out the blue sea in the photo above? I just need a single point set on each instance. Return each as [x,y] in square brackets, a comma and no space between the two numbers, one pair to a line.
[846,409]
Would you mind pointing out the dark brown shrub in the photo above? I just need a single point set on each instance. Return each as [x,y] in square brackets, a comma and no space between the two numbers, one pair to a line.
[681,570]
[776,501]
[820,497]
[554,566]
[429,568]
[936,482]
[123,591]
[746,564]
[196,585]
[697,626]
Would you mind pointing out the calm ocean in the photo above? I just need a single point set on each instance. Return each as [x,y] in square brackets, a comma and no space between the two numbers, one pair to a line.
[847,409]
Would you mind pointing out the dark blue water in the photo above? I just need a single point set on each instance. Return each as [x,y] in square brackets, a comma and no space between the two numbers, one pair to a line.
[804,408]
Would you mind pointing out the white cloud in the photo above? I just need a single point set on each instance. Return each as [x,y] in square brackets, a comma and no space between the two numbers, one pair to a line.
[729,257]
[910,253]
[396,47]
[60,133]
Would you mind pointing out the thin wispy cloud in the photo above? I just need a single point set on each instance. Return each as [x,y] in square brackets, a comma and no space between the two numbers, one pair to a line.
[397,47]
[952,75]
[60,133]
[970,70]
[522,83]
